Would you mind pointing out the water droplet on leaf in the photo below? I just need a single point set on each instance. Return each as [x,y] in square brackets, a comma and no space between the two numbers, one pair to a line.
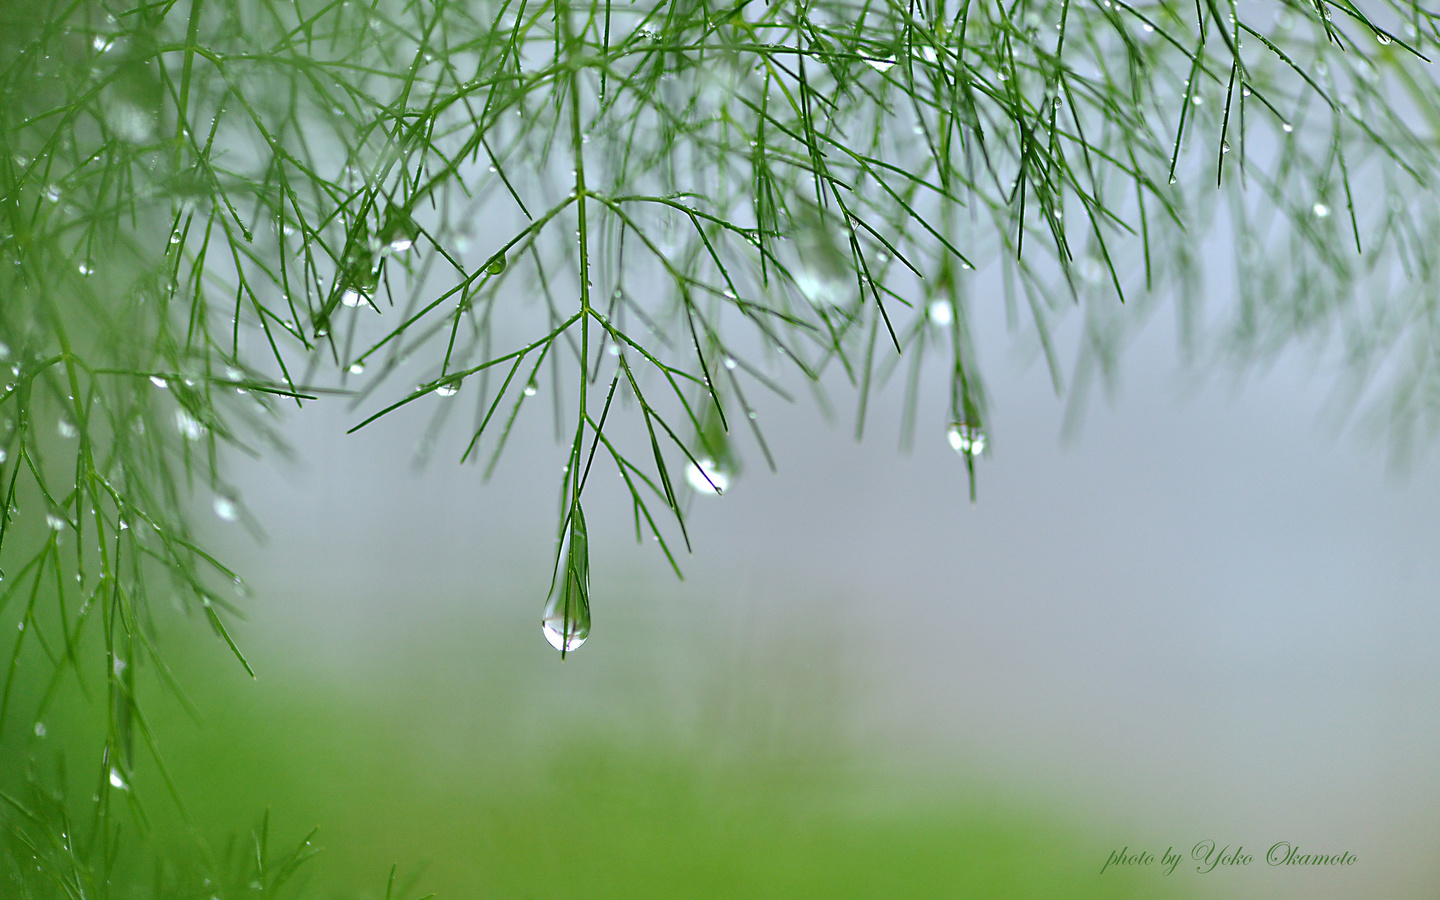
[566,620]
[706,477]
[226,507]
[188,425]
[965,439]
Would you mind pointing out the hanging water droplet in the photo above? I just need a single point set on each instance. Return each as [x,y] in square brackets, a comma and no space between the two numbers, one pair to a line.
[1287,127]
[188,425]
[530,389]
[1320,210]
[566,619]
[497,263]
[174,237]
[52,193]
[84,269]
[226,507]
[448,390]
[159,382]
[1197,100]
[940,312]
[351,298]
[357,368]
[66,429]
[399,231]
[965,439]
[1245,91]
[1224,146]
[4,455]
[706,477]
[55,522]
[729,364]
[39,729]
[1172,179]
[1148,28]
[116,781]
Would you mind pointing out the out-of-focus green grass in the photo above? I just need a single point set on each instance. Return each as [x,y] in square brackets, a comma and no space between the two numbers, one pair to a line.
[493,773]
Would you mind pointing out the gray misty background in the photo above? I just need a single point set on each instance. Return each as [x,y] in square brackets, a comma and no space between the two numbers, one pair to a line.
[1207,616]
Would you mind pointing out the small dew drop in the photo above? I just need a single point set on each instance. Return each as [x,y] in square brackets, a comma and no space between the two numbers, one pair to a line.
[357,368]
[940,312]
[1320,210]
[116,781]
[52,193]
[729,364]
[966,440]
[1172,179]
[226,507]
[1148,28]
[448,390]
[1245,91]
[39,729]
[400,245]
[4,455]
[55,522]
[1224,146]
[351,298]
[1287,127]
[188,425]
[66,429]
[84,269]
[707,478]
[497,263]
[159,382]
[530,389]
[175,237]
